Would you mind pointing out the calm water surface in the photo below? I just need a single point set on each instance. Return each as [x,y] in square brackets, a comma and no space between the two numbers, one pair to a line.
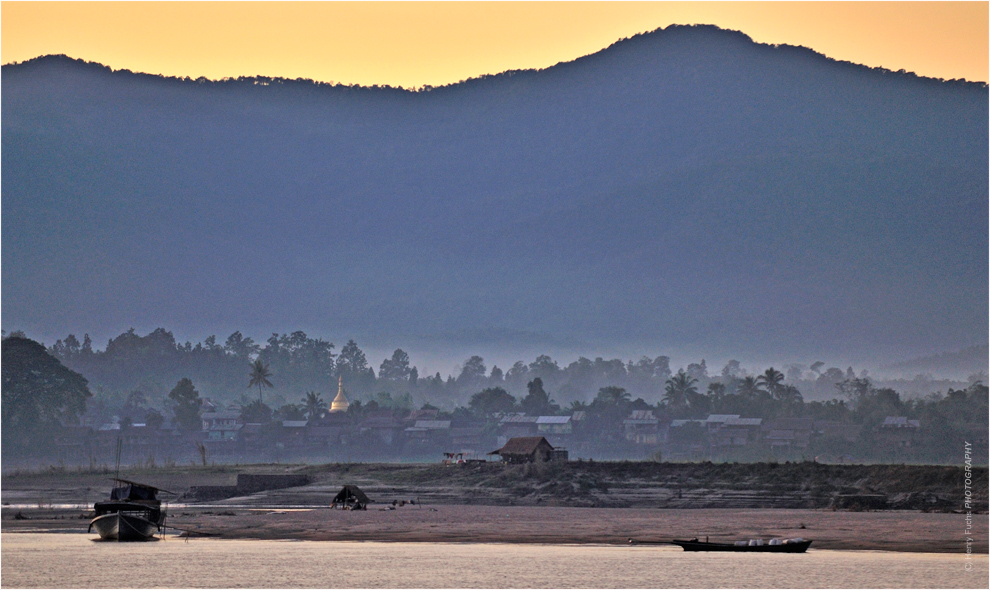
[52,560]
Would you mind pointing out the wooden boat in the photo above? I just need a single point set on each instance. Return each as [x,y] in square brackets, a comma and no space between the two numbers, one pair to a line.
[134,513]
[754,546]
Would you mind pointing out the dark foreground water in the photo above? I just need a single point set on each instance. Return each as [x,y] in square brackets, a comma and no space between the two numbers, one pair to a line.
[52,560]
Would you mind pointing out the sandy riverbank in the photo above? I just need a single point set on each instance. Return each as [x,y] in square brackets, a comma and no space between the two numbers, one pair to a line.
[885,530]
[803,485]
[573,503]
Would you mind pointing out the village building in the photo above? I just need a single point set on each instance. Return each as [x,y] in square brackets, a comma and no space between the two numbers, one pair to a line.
[737,432]
[558,430]
[221,425]
[642,427]
[221,432]
[529,449]
[328,430]
[253,437]
[788,433]
[899,422]
[898,431]
[688,439]
[427,414]
[515,426]
[435,431]
[383,427]
[687,422]
[552,425]
[716,421]
[293,433]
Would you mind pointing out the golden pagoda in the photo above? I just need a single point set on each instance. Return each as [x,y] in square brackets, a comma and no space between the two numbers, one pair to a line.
[340,403]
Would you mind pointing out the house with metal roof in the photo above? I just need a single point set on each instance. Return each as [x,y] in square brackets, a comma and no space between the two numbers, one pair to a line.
[642,427]
[517,425]
[730,430]
[715,421]
[547,425]
[434,430]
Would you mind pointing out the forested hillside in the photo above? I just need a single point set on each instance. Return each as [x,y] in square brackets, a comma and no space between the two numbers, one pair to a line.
[683,189]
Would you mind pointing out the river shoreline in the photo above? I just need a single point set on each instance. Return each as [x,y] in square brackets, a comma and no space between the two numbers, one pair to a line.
[878,531]
[570,504]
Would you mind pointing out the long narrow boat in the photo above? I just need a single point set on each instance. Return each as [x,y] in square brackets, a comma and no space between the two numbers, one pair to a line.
[782,546]
[134,513]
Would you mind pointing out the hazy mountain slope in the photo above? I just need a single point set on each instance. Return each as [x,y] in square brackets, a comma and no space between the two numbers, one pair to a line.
[963,363]
[682,188]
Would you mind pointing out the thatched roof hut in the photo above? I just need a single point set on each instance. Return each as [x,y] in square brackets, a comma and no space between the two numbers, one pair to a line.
[525,449]
[351,498]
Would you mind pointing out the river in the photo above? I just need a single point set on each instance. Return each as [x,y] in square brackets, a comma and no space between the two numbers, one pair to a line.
[60,560]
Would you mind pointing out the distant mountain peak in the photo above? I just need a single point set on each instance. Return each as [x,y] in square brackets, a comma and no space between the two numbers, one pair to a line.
[675,33]
[686,188]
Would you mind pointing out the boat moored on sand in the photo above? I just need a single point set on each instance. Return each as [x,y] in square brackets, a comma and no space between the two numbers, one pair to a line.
[134,513]
[798,545]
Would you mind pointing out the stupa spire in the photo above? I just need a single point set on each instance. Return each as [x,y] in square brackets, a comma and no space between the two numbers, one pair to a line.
[340,403]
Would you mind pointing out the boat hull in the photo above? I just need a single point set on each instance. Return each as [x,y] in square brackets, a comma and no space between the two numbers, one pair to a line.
[118,526]
[798,547]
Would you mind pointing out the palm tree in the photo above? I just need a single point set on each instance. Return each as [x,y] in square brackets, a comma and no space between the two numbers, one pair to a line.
[678,389]
[313,405]
[612,395]
[577,406]
[790,395]
[259,376]
[716,391]
[773,380]
[749,388]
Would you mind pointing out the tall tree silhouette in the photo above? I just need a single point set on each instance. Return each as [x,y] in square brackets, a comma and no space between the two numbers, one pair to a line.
[749,388]
[773,381]
[313,405]
[538,401]
[39,392]
[613,396]
[678,388]
[259,376]
[186,404]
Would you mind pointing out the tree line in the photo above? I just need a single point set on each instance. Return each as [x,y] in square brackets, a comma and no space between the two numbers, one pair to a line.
[47,388]
[153,363]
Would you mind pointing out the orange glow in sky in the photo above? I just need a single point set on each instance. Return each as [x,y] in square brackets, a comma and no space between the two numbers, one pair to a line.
[411,44]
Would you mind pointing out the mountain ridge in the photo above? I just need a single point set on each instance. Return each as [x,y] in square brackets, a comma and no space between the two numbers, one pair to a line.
[796,49]
[719,194]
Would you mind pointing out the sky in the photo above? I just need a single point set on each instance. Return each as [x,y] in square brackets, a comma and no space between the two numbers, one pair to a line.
[412,44]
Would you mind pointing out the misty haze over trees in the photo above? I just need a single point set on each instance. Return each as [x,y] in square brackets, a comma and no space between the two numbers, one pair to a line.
[686,187]
[297,364]
[156,383]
